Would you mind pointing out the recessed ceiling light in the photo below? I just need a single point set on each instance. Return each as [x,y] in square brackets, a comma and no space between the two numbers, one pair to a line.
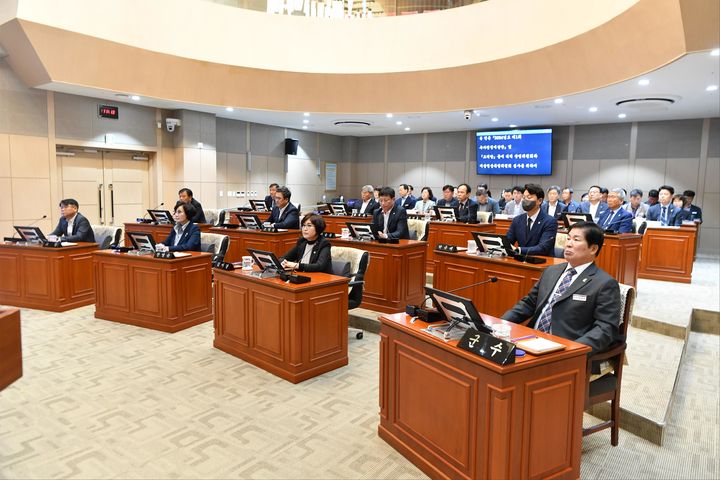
[306,114]
[512,125]
[135,97]
[398,122]
[494,119]
[643,82]
[200,144]
[711,88]
[122,95]
[407,129]
[558,101]
[715,52]
[229,109]
[592,109]
[306,121]
[305,127]
[389,115]
[621,115]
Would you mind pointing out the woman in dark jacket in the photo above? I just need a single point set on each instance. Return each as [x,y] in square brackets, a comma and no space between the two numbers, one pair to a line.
[312,252]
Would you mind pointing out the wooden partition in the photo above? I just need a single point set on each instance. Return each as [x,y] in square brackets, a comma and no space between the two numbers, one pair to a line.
[620,257]
[241,239]
[335,223]
[452,233]
[159,232]
[668,253]
[10,346]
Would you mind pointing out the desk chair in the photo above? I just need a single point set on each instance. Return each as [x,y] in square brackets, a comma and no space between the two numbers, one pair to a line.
[639,225]
[345,261]
[106,235]
[214,243]
[211,215]
[418,228]
[485,217]
[600,389]
[221,218]
[560,240]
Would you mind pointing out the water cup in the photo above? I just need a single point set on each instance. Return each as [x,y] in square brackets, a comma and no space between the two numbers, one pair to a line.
[247,263]
[501,330]
[472,247]
[355,211]
[345,233]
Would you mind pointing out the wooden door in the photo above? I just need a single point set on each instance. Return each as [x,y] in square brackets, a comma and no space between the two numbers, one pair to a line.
[82,179]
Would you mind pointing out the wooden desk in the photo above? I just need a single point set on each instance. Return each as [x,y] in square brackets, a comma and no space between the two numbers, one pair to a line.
[294,331]
[165,295]
[668,253]
[240,240]
[515,279]
[395,276]
[335,223]
[159,232]
[456,415]
[452,233]
[10,346]
[502,225]
[620,257]
[55,279]
[231,218]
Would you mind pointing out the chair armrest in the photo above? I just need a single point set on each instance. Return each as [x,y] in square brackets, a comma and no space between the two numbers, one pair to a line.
[612,352]
[356,282]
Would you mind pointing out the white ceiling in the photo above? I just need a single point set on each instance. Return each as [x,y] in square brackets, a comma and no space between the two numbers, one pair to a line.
[684,80]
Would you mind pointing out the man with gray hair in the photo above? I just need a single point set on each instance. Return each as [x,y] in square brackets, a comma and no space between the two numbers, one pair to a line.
[369,205]
[616,219]
[636,206]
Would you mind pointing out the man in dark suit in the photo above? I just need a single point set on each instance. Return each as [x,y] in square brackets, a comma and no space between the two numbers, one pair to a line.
[553,207]
[390,219]
[448,199]
[186,196]
[185,235]
[406,199]
[571,205]
[284,214]
[73,226]
[534,231]
[695,211]
[663,211]
[467,207]
[616,218]
[368,205]
[270,198]
[575,300]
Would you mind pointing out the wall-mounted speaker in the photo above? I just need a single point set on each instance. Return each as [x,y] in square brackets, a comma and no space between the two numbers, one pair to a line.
[291,146]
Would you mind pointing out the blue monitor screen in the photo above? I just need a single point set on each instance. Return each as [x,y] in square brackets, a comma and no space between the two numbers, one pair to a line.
[514,152]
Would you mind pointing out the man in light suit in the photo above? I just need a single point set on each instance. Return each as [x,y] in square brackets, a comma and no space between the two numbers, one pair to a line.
[663,211]
[594,205]
[635,206]
[368,204]
[284,214]
[616,218]
[576,300]
[534,231]
[390,219]
[73,226]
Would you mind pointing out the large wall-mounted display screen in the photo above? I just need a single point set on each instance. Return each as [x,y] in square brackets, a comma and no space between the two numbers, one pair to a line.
[514,152]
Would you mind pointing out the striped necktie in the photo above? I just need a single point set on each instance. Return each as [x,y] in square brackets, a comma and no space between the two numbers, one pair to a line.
[544,322]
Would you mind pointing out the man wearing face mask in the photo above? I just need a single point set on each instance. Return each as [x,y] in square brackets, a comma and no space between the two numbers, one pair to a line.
[534,231]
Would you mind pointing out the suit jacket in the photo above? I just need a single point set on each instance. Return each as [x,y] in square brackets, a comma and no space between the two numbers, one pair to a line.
[290,217]
[190,239]
[407,203]
[443,203]
[491,206]
[655,212]
[422,208]
[199,212]
[371,207]
[641,211]
[585,208]
[542,234]
[320,259]
[510,208]
[572,207]
[397,223]
[559,209]
[81,232]
[593,321]
[622,222]
[681,215]
[469,213]
[269,202]
[695,213]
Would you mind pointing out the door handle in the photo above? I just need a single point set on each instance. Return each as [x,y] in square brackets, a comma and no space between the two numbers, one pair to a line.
[100,203]
[112,204]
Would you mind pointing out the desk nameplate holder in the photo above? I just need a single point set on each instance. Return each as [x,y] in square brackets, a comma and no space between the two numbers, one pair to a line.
[488,347]
[446,331]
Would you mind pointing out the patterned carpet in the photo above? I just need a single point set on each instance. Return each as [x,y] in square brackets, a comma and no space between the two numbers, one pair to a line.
[105,400]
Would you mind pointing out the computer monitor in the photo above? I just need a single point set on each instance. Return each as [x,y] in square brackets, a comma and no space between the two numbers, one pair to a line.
[161,217]
[249,221]
[446,214]
[339,209]
[363,231]
[30,234]
[266,260]
[259,205]
[457,309]
[323,208]
[142,240]
[492,242]
[570,219]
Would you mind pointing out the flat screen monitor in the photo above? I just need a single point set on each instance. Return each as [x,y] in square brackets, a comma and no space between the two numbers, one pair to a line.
[514,152]
[458,309]
[323,208]
[259,205]
[30,234]
[446,214]
[339,209]
[266,260]
[492,242]
[161,217]
[363,231]
[570,219]
[142,240]
[248,220]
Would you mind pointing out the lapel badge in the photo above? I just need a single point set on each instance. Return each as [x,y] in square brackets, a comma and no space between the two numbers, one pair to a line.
[584,280]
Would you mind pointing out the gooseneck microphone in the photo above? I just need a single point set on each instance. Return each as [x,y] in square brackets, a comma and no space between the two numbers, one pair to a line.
[489,280]
[431,315]
[13,239]
[148,213]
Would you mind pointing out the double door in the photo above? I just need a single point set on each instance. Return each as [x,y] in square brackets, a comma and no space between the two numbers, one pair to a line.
[111,187]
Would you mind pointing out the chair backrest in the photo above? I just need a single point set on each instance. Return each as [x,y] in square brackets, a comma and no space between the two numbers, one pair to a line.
[106,235]
[221,217]
[560,240]
[418,228]
[641,227]
[359,260]
[211,215]
[485,217]
[214,243]
[627,303]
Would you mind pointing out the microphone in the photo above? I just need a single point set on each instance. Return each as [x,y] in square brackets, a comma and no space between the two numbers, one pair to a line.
[428,315]
[155,208]
[489,280]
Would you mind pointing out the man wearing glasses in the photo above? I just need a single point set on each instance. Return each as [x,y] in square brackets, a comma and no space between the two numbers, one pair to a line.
[284,214]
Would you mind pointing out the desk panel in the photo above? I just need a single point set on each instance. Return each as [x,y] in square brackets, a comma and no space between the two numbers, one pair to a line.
[668,253]
[240,240]
[10,346]
[451,233]
[159,232]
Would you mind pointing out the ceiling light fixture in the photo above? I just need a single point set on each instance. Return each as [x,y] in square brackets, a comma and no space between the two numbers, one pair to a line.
[398,122]
[558,101]
[715,52]
[389,115]
[592,109]
[229,109]
[494,119]
[512,125]
[306,121]
[135,98]
[407,129]
[711,88]
[621,115]
[306,114]
[305,127]
[643,82]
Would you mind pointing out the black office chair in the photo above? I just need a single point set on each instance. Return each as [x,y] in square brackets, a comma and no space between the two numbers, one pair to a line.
[345,261]
[221,218]
[216,244]
[641,229]
[106,235]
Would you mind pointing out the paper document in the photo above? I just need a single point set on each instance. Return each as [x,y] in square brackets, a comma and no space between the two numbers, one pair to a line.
[539,345]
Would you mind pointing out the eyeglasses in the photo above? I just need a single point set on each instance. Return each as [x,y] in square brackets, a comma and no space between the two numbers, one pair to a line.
[308,225]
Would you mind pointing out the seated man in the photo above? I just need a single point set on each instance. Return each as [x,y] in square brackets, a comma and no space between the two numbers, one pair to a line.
[485,202]
[185,235]
[571,206]
[553,207]
[270,197]
[368,205]
[73,226]
[513,206]
[406,199]
[574,300]
[535,230]
[635,206]
[186,196]
[663,211]
[594,205]
[695,211]
[467,207]
[284,214]
[390,219]
[616,218]
[448,199]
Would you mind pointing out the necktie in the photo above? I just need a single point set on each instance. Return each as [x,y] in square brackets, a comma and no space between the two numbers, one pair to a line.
[663,216]
[608,221]
[529,226]
[544,322]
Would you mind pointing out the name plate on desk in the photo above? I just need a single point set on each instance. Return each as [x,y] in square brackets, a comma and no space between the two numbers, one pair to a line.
[328,235]
[269,229]
[488,347]
[444,247]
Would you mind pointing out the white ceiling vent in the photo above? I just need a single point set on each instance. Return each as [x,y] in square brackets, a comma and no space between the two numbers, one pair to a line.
[647,103]
[352,123]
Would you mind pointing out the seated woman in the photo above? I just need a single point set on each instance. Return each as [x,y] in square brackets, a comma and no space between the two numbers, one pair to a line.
[185,235]
[312,252]
[426,203]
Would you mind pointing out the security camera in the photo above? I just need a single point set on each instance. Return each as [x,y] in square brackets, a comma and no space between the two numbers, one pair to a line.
[171,123]
[468,114]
